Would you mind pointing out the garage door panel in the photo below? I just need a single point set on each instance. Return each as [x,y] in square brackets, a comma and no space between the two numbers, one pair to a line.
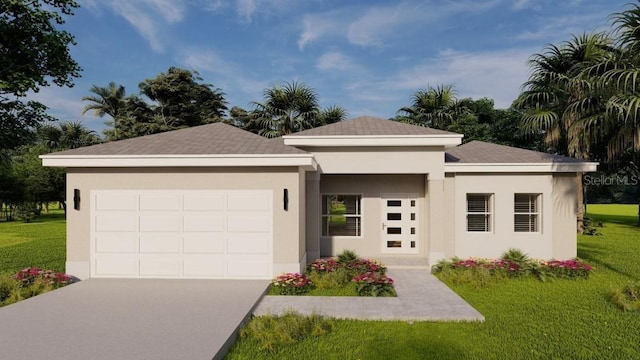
[116,243]
[116,223]
[212,243]
[182,233]
[112,201]
[248,266]
[204,203]
[205,265]
[160,265]
[160,243]
[248,244]
[161,223]
[249,222]
[156,202]
[204,222]
[249,202]
[117,265]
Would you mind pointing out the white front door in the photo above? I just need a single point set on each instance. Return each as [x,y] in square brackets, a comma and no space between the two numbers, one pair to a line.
[399,223]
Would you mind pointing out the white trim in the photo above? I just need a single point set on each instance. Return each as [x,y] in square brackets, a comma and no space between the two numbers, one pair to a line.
[446,140]
[306,161]
[519,167]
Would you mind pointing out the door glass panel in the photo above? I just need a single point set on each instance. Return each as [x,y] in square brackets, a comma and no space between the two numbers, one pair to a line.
[394,203]
[394,230]
[413,216]
[394,216]
[394,244]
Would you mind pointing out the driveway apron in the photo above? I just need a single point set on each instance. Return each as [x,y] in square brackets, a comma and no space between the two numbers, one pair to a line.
[129,319]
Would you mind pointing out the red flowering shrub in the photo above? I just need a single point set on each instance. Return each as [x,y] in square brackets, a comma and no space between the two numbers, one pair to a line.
[567,268]
[374,284]
[291,284]
[324,265]
[30,275]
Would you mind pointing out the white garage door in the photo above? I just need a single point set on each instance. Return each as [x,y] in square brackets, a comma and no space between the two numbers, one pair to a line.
[182,233]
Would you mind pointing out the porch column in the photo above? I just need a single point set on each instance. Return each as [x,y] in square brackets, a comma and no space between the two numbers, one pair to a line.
[313,215]
[437,219]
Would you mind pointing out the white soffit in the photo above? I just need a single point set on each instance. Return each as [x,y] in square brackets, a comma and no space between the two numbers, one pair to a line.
[446,140]
[519,167]
[306,161]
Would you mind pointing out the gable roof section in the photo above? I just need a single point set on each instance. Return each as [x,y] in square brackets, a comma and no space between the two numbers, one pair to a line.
[480,156]
[371,131]
[215,144]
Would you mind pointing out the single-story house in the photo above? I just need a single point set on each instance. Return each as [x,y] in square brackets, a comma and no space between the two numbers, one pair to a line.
[215,201]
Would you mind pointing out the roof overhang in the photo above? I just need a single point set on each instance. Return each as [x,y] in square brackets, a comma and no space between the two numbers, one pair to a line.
[520,167]
[305,161]
[446,140]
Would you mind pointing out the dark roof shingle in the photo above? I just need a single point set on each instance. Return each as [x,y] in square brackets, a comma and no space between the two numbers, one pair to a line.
[370,126]
[483,152]
[217,138]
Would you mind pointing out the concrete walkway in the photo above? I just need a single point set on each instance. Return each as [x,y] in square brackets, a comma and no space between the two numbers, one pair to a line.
[421,297]
[129,319]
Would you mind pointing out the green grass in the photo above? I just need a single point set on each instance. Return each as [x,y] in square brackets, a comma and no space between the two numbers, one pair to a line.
[37,244]
[525,318]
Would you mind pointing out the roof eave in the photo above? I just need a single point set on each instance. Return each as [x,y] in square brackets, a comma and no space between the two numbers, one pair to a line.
[446,140]
[560,167]
[305,161]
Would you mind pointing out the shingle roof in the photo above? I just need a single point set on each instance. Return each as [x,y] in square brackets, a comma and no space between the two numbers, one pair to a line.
[483,152]
[217,138]
[367,125]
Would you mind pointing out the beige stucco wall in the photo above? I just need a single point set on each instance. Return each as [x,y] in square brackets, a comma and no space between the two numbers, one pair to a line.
[503,187]
[371,187]
[381,160]
[564,204]
[288,226]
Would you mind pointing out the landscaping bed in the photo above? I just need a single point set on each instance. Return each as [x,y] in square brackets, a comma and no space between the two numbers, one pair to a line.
[344,275]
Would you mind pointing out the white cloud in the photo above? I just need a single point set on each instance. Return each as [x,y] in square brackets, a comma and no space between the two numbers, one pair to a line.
[246,8]
[171,10]
[336,61]
[65,104]
[315,26]
[378,22]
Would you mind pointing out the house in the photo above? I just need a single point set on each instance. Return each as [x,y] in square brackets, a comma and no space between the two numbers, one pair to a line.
[215,201]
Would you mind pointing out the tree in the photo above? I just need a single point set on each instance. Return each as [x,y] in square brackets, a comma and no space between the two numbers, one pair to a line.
[34,51]
[66,135]
[287,109]
[182,101]
[433,107]
[109,100]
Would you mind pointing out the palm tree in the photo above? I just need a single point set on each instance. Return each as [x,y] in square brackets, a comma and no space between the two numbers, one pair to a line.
[109,100]
[330,115]
[433,107]
[285,110]
[553,87]
[67,135]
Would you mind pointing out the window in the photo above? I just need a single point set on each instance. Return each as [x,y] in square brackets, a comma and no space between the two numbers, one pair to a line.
[341,215]
[526,208]
[479,212]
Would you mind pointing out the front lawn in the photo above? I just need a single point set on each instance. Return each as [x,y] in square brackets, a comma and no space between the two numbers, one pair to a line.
[525,318]
[40,243]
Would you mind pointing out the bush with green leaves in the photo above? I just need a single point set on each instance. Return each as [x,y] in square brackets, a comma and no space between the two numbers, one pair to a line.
[291,284]
[627,298]
[374,284]
[271,332]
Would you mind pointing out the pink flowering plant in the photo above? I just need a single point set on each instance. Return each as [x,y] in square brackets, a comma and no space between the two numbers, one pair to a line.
[28,276]
[374,284]
[291,284]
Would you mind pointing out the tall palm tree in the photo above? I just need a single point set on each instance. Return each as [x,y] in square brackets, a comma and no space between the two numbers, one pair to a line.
[433,107]
[287,109]
[109,100]
[553,87]
[67,135]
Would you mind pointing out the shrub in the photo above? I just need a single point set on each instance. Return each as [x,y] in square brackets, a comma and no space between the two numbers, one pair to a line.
[323,265]
[569,269]
[346,257]
[270,332]
[515,256]
[330,280]
[374,284]
[627,299]
[29,276]
[291,284]
[7,285]
[359,266]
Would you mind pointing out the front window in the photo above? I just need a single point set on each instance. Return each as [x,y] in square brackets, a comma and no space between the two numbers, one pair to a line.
[526,213]
[479,211]
[341,215]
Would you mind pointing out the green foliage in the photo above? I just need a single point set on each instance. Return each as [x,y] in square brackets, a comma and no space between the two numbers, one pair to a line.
[627,298]
[35,50]
[346,257]
[515,256]
[331,280]
[269,333]
[374,284]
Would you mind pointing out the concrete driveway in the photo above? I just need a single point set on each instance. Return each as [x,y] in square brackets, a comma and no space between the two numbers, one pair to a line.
[129,319]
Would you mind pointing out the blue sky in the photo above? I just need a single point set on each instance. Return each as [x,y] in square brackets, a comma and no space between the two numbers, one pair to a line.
[366,56]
